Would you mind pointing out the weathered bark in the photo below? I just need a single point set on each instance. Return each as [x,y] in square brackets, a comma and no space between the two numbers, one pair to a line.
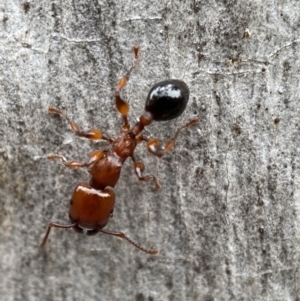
[226,218]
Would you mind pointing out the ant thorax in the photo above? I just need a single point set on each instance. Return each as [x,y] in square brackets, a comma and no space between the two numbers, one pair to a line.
[124,146]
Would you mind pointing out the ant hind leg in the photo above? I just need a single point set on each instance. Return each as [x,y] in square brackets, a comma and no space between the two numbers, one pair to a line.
[154,145]
[122,105]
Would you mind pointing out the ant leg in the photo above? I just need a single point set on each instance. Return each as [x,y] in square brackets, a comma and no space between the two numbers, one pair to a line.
[122,235]
[54,225]
[139,168]
[153,144]
[93,134]
[122,105]
[95,156]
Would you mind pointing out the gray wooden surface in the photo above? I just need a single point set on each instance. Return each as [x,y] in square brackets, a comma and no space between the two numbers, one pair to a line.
[227,217]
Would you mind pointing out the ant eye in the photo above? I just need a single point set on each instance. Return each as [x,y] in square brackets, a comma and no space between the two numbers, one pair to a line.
[167,99]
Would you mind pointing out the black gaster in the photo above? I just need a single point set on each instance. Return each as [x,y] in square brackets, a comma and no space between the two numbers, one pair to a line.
[167,99]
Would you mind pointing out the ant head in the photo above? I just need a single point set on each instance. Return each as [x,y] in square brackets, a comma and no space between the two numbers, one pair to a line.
[167,99]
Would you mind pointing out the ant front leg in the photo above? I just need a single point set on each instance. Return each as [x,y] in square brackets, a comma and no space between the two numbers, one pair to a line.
[139,168]
[93,134]
[94,157]
[122,105]
[154,145]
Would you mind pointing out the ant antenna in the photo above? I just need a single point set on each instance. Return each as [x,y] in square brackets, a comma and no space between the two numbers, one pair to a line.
[122,235]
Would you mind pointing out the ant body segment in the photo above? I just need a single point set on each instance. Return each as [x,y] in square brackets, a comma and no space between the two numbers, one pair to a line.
[92,203]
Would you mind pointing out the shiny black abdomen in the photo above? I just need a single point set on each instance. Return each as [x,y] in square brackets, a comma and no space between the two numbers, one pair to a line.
[167,99]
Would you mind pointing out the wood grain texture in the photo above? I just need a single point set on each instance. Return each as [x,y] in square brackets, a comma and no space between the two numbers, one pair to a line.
[227,218]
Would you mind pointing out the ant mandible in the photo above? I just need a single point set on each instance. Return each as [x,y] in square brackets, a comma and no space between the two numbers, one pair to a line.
[92,204]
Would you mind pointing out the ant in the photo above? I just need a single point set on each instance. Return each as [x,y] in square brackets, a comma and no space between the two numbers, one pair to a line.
[92,204]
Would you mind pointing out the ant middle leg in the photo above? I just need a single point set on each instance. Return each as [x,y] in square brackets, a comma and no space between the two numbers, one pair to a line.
[93,134]
[139,168]
[95,156]
[121,104]
[154,145]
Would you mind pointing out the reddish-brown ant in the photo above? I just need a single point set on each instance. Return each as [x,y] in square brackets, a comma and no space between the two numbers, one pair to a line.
[92,204]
